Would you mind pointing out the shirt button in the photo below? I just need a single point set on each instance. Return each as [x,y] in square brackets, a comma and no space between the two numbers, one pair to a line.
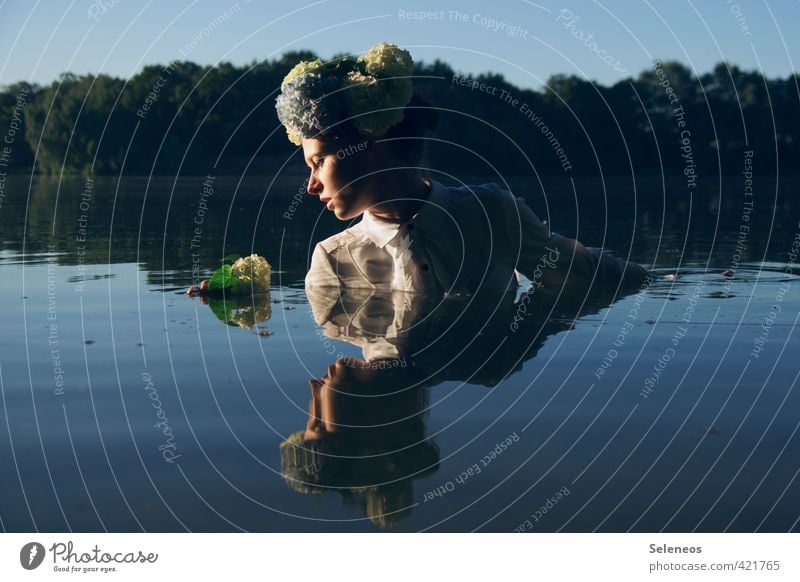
[425,266]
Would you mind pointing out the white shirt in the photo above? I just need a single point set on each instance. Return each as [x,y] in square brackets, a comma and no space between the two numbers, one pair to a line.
[463,240]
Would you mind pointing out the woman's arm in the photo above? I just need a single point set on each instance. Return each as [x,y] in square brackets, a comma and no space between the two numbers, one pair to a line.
[321,273]
[548,260]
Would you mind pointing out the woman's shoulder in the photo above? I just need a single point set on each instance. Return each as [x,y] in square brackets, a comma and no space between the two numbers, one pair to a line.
[491,190]
[488,195]
[342,239]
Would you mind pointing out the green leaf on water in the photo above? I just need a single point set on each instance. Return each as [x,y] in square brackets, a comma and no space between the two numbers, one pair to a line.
[222,279]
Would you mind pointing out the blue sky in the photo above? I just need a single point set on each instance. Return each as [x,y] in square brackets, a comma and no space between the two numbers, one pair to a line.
[524,40]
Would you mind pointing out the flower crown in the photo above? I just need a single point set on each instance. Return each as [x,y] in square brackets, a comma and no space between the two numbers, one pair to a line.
[368,94]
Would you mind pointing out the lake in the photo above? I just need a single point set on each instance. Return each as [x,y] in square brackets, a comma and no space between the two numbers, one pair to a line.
[129,406]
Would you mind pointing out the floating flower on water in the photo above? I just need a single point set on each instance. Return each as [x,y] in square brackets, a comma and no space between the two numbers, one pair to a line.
[245,276]
[252,274]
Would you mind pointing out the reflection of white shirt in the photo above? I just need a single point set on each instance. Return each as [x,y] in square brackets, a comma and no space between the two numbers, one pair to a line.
[461,241]
[378,322]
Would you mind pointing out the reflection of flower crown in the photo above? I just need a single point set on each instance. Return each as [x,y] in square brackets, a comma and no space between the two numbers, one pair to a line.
[369,93]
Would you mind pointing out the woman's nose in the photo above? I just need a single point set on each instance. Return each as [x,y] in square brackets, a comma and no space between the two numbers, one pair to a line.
[314,186]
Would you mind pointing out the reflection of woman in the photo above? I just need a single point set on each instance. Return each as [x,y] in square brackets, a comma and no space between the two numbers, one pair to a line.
[365,434]
[362,131]
[364,437]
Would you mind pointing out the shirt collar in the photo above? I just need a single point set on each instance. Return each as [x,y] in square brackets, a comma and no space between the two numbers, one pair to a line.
[377,230]
[381,232]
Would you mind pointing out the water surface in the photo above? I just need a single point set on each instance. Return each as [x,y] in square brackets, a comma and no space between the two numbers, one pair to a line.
[128,406]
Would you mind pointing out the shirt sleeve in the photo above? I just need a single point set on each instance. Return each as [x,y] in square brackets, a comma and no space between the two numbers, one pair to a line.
[321,273]
[545,258]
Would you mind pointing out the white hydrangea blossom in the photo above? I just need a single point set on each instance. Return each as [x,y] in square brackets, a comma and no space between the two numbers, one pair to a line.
[388,60]
[372,92]
[300,70]
[252,273]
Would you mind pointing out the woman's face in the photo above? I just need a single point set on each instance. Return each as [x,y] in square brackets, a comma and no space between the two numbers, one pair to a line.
[356,398]
[337,177]
[334,399]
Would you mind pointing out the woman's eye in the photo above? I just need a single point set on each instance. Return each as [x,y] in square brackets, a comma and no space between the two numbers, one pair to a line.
[318,162]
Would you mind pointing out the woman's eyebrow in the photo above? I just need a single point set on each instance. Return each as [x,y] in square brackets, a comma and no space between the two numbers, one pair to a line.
[312,155]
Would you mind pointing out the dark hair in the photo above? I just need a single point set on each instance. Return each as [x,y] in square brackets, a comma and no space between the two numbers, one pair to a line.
[407,139]
[379,474]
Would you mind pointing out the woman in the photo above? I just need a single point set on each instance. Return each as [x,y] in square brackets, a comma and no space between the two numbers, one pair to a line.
[363,132]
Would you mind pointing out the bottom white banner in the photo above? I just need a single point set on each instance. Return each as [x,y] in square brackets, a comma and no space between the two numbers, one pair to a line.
[355,557]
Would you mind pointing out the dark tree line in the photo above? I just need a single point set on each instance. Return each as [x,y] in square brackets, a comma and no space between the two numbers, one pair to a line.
[187,119]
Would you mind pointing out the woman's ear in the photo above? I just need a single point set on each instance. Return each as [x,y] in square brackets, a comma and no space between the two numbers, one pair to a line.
[381,156]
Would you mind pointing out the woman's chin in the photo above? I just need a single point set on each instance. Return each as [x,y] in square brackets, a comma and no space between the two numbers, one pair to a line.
[342,213]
